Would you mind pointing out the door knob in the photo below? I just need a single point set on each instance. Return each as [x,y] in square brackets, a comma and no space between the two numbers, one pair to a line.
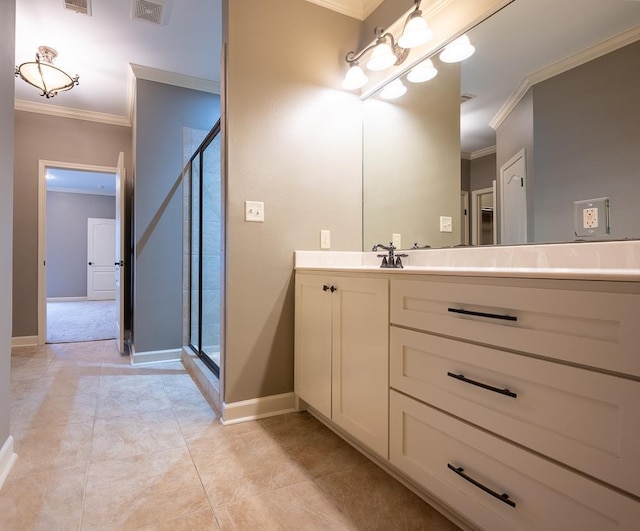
[90,263]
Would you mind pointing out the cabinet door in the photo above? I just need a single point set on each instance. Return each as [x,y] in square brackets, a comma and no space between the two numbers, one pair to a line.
[313,342]
[360,395]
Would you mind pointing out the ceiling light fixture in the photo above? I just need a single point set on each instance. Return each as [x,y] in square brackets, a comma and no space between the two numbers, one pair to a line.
[457,50]
[43,75]
[385,51]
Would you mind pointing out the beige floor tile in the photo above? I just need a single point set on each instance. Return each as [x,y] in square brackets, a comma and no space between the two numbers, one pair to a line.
[126,395]
[372,499]
[140,491]
[55,410]
[40,351]
[42,501]
[198,521]
[322,452]
[52,448]
[289,429]
[28,368]
[196,420]
[242,466]
[131,435]
[303,506]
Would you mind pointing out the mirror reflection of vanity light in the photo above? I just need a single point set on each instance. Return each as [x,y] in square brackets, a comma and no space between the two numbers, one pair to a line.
[457,50]
[355,78]
[393,90]
[423,72]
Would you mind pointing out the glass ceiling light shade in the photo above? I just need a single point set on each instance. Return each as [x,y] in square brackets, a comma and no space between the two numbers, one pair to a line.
[422,72]
[355,77]
[393,90]
[457,50]
[43,75]
[382,56]
[416,31]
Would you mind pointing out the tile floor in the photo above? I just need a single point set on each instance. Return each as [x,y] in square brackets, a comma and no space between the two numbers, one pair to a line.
[103,445]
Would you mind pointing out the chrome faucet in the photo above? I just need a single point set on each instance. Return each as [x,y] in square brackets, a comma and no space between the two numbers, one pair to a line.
[389,260]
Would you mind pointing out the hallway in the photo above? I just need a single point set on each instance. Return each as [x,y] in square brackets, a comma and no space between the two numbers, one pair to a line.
[103,445]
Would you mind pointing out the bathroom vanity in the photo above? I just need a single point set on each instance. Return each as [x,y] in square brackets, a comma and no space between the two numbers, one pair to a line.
[501,383]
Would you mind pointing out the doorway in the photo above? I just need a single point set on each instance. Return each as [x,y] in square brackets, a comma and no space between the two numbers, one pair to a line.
[68,196]
[483,223]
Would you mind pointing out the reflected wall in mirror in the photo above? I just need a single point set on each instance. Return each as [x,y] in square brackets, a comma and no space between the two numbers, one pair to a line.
[568,96]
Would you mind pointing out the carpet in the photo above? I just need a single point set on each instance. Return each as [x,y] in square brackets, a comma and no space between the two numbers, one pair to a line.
[80,321]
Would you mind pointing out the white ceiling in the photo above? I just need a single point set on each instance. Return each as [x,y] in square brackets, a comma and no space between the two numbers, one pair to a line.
[81,182]
[100,47]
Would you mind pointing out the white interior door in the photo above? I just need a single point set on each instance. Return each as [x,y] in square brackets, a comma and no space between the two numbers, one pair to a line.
[101,235]
[513,200]
[120,251]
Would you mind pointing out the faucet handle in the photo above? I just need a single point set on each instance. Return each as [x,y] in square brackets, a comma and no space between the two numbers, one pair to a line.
[384,263]
[399,258]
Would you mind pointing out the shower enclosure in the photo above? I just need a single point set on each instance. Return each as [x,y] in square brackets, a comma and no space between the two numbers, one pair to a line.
[204,224]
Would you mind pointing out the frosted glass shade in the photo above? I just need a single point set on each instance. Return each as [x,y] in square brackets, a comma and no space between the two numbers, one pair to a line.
[416,31]
[382,57]
[457,50]
[355,78]
[393,90]
[422,72]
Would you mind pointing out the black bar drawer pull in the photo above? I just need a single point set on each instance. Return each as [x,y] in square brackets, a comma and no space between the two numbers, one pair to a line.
[502,497]
[483,314]
[462,378]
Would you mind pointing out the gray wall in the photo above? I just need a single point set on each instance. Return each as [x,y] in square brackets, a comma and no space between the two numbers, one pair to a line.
[7,84]
[586,136]
[294,141]
[67,215]
[482,172]
[39,136]
[161,113]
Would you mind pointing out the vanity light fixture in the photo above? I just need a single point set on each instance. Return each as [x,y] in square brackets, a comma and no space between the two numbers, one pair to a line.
[422,72]
[393,90]
[385,51]
[43,75]
[457,50]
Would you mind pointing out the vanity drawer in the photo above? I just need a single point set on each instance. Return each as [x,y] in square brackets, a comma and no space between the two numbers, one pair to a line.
[593,328]
[583,418]
[435,449]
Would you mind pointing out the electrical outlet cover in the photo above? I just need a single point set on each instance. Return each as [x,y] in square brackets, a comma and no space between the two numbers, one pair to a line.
[591,217]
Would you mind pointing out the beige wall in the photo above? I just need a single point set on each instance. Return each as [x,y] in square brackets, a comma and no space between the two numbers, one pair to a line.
[294,141]
[7,84]
[43,137]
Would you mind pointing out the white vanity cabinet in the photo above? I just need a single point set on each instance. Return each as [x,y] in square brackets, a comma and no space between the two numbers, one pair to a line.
[341,352]
[515,401]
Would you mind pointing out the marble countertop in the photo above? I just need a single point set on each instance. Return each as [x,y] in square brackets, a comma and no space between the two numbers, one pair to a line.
[615,260]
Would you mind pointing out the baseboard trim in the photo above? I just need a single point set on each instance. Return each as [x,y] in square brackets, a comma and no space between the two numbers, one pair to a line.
[155,356]
[24,341]
[7,458]
[67,299]
[257,408]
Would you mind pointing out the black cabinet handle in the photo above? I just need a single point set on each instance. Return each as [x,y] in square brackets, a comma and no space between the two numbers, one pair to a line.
[462,378]
[333,289]
[483,314]
[325,288]
[502,497]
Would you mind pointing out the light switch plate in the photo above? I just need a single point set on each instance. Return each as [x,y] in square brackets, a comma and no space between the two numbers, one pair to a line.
[325,239]
[254,211]
[591,217]
[396,239]
[446,224]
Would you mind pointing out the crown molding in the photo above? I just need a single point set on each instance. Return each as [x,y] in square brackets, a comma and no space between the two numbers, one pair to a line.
[471,155]
[67,112]
[168,78]
[359,9]
[603,48]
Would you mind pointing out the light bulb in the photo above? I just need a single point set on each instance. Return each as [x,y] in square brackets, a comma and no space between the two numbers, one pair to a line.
[422,72]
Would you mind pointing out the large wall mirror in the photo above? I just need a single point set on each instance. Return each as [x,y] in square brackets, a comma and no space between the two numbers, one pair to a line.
[544,115]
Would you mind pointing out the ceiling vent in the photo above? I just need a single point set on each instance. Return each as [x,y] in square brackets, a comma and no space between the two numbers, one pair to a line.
[151,11]
[79,6]
[466,97]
